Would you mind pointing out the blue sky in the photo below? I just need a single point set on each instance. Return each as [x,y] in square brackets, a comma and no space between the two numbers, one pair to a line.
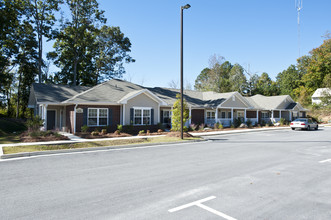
[259,33]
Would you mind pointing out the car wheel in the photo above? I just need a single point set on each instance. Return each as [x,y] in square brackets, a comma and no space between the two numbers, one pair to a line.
[293,129]
[316,127]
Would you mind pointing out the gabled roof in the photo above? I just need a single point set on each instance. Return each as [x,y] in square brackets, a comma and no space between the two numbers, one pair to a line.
[266,102]
[321,92]
[192,98]
[51,93]
[108,92]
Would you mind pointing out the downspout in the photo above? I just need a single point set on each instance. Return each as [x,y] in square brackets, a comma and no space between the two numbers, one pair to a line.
[74,131]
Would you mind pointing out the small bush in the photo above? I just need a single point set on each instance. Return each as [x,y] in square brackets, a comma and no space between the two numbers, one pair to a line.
[249,123]
[193,127]
[148,132]
[220,126]
[84,128]
[95,133]
[35,123]
[104,131]
[237,122]
[141,132]
[216,125]
[117,132]
[120,127]
[282,121]
[185,129]
[34,134]
[201,127]
[159,131]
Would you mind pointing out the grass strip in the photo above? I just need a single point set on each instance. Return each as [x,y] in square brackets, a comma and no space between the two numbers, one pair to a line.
[34,148]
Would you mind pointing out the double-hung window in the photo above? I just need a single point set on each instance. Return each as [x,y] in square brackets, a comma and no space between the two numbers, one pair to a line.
[210,115]
[265,115]
[167,116]
[97,117]
[223,114]
[142,116]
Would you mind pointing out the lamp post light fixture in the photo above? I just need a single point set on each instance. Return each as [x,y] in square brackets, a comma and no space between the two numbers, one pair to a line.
[181,70]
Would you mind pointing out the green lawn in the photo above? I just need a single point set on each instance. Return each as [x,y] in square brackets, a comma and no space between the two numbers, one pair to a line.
[33,148]
[9,139]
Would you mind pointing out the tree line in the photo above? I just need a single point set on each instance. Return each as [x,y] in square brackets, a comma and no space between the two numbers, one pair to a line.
[300,81]
[86,51]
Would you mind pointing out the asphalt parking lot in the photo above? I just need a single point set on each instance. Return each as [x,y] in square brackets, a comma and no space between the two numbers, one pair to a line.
[260,175]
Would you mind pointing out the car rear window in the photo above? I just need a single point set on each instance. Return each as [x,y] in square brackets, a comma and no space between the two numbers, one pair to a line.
[300,120]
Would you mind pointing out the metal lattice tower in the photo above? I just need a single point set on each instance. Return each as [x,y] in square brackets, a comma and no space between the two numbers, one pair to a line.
[298,6]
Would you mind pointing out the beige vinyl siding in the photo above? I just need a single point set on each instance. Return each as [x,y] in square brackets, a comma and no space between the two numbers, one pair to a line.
[141,100]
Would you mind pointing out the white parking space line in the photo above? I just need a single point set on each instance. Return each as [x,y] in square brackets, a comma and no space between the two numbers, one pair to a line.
[324,161]
[199,204]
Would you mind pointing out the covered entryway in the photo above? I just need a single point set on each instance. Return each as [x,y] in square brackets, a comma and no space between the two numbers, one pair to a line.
[51,119]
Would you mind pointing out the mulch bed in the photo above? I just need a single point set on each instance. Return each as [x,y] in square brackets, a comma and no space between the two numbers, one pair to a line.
[109,135]
[178,134]
[50,136]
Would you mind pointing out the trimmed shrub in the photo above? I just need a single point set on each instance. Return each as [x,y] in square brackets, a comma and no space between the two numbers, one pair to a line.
[201,127]
[220,126]
[84,128]
[35,123]
[141,132]
[104,131]
[249,123]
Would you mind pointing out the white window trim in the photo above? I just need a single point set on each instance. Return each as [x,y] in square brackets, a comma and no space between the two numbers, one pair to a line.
[98,117]
[142,115]
[210,111]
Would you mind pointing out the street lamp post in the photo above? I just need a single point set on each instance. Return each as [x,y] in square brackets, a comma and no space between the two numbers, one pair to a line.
[181,70]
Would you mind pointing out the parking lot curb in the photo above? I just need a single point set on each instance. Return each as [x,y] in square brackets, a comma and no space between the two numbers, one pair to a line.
[39,153]
[237,131]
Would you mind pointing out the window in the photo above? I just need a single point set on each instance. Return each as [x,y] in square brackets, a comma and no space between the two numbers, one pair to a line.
[265,115]
[166,117]
[97,116]
[229,114]
[223,114]
[142,116]
[240,114]
[210,115]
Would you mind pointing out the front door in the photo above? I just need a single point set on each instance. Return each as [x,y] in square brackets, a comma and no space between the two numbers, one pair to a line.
[50,119]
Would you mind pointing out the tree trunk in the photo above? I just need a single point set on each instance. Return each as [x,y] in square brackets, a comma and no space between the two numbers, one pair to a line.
[18,96]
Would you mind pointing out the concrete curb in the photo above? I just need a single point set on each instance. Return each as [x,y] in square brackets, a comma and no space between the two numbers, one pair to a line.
[38,153]
[238,131]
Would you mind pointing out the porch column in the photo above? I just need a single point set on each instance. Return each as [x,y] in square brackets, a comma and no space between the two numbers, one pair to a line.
[290,115]
[171,117]
[245,115]
[232,115]
[75,115]
[159,115]
[190,115]
[123,114]
[45,116]
[257,116]
[272,116]
[216,115]
[280,114]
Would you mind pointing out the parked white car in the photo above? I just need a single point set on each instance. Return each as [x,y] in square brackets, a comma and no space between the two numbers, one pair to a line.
[304,124]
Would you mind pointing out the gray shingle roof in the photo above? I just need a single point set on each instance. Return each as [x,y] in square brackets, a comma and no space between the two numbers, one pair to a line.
[266,102]
[55,93]
[193,98]
[108,92]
